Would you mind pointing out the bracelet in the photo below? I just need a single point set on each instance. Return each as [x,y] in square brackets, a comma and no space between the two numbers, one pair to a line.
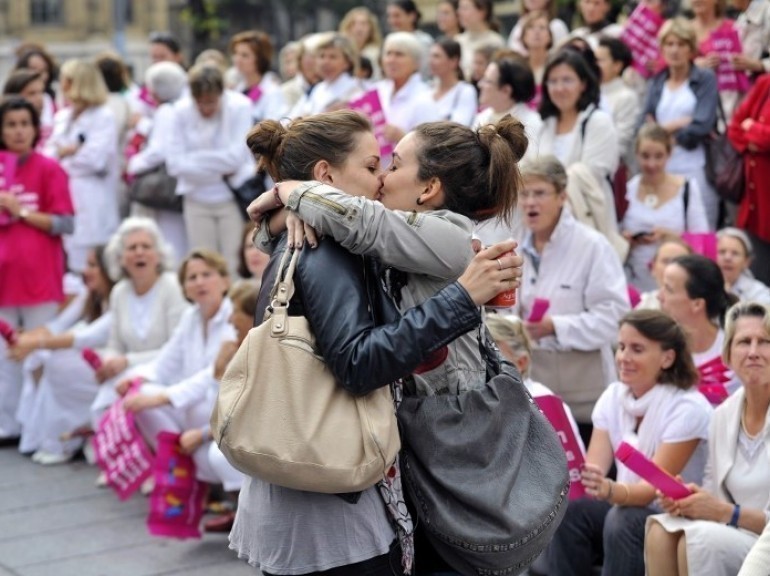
[628,494]
[736,515]
[277,196]
[609,492]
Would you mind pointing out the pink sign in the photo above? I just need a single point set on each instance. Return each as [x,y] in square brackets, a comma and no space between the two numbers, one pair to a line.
[370,106]
[539,308]
[178,500]
[702,243]
[641,36]
[725,42]
[121,452]
[553,408]
[713,377]
[651,472]
[92,358]
[146,97]
[254,93]
[8,333]
[7,179]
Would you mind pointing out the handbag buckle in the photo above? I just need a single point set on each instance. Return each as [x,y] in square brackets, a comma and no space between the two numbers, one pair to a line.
[279,323]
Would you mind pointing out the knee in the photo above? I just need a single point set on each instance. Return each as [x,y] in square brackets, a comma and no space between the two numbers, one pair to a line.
[622,523]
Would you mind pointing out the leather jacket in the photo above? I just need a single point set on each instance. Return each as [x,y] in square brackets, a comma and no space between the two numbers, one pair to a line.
[359,332]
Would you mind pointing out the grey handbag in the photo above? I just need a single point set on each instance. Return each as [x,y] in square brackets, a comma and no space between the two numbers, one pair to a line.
[156,189]
[485,471]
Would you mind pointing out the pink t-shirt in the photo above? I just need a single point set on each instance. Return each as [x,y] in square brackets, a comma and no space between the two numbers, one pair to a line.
[32,261]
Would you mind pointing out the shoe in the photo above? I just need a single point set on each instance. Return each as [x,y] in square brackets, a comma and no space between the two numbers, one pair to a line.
[89,453]
[147,486]
[101,480]
[220,524]
[51,459]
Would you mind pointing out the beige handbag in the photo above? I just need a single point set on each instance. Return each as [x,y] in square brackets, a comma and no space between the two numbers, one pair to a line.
[282,417]
[574,375]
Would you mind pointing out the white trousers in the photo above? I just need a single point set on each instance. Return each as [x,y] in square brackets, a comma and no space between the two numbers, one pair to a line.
[211,465]
[11,375]
[217,227]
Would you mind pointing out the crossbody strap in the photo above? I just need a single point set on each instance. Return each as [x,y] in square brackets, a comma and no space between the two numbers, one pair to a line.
[686,200]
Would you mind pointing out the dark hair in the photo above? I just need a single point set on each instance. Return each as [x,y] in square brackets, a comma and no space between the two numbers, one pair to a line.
[259,43]
[205,79]
[453,50]
[248,232]
[12,104]
[619,51]
[290,152]
[113,71]
[478,169]
[409,7]
[582,47]
[488,7]
[19,79]
[571,58]
[365,68]
[516,73]
[167,39]
[661,328]
[27,51]
[97,304]
[705,280]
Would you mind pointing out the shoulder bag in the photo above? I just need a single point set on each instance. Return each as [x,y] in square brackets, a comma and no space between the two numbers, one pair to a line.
[247,192]
[486,472]
[156,189]
[281,415]
[724,164]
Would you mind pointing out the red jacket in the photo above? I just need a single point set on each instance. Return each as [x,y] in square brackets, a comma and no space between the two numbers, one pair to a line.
[754,210]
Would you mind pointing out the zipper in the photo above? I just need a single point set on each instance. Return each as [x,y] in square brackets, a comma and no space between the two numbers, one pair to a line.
[338,208]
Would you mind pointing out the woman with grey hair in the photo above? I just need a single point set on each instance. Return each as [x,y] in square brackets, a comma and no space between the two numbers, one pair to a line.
[167,82]
[146,304]
[734,256]
[405,98]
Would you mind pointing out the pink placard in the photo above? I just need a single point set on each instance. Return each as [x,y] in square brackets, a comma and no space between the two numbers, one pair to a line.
[8,162]
[641,36]
[254,93]
[92,358]
[725,42]
[702,243]
[539,308]
[146,97]
[651,472]
[121,452]
[553,408]
[370,106]
[8,333]
[713,377]
[178,500]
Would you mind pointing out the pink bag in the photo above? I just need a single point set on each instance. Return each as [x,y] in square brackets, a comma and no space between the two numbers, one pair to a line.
[553,408]
[178,500]
[121,452]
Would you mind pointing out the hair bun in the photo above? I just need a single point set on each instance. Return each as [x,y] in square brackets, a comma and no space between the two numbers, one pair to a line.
[513,132]
[265,141]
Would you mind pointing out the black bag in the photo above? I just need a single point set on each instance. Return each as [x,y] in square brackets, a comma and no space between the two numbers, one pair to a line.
[247,192]
[486,472]
[156,189]
[724,164]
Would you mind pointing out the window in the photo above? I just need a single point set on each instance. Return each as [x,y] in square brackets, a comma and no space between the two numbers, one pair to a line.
[46,12]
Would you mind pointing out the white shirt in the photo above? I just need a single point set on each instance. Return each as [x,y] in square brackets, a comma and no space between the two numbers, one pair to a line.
[270,105]
[459,104]
[747,288]
[532,121]
[409,106]
[472,41]
[343,88]
[155,152]
[673,105]
[623,104]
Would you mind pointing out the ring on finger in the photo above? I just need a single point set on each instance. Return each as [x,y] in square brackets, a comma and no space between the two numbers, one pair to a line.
[499,263]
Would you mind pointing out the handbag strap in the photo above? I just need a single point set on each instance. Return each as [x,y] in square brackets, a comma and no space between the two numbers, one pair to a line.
[282,291]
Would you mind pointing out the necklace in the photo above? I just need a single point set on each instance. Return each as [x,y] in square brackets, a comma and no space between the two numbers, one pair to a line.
[651,201]
[745,430]
[650,196]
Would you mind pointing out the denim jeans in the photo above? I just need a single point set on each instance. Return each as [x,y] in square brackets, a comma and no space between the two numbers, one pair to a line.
[594,532]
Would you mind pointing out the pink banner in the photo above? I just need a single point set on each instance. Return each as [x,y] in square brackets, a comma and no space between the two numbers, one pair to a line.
[7,180]
[641,36]
[553,408]
[121,452]
[178,500]
[702,243]
[713,377]
[725,42]
[651,472]
[370,106]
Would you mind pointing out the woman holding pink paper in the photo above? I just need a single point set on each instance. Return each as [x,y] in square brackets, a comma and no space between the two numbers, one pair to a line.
[654,407]
[712,531]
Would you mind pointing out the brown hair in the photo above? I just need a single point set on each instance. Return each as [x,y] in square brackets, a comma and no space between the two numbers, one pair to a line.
[654,133]
[19,79]
[244,297]
[97,304]
[259,43]
[375,36]
[205,79]
[478,169]
[212,259]
[661,328]
[290,152]
[529,19]
[344,45]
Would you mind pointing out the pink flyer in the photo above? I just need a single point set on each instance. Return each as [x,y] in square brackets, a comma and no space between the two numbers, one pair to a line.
[370,106]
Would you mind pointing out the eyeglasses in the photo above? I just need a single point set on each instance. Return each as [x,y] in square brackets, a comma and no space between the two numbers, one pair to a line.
[566,82]
[537,195]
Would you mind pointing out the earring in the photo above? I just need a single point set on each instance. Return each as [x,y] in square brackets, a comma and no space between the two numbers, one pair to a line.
[420,201]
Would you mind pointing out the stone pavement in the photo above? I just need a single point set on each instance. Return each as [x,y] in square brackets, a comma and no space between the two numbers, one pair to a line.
[54,521]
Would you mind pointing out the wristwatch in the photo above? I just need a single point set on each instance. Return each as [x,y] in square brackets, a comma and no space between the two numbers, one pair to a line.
[24,214]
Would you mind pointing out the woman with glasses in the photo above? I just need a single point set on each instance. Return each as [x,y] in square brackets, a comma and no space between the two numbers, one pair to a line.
[576,269]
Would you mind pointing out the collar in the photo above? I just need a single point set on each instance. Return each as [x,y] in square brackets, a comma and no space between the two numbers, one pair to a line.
[563,227]
[613,85]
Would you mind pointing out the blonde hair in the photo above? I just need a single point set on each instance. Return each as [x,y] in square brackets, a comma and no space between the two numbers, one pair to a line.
[213,260]
[345,45]
[738,311]
[87,87]
[375,36]
[683,29]
[510,331]
[654,133]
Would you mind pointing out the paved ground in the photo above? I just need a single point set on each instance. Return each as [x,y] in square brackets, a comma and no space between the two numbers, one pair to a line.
[53,520]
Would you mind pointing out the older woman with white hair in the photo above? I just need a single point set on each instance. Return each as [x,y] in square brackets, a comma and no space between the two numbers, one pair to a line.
[146,304]
[167,82]
[734,256]
[405,98]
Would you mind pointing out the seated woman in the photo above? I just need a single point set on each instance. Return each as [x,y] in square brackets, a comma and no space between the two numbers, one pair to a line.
[670,247]
[711,531]
[659,204]
[654,407]
[454,99]
[734,256]
[62,393]
[146,305]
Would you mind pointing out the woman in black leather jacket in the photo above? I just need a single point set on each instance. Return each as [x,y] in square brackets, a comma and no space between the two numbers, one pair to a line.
[365,342]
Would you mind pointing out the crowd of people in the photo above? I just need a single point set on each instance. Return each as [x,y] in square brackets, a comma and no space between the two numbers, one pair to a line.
[642,297]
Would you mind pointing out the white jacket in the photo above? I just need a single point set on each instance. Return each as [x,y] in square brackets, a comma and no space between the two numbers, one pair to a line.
[581,275]
[157,149]
[93,170]
[200,154]
[409,106]
[750,289]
